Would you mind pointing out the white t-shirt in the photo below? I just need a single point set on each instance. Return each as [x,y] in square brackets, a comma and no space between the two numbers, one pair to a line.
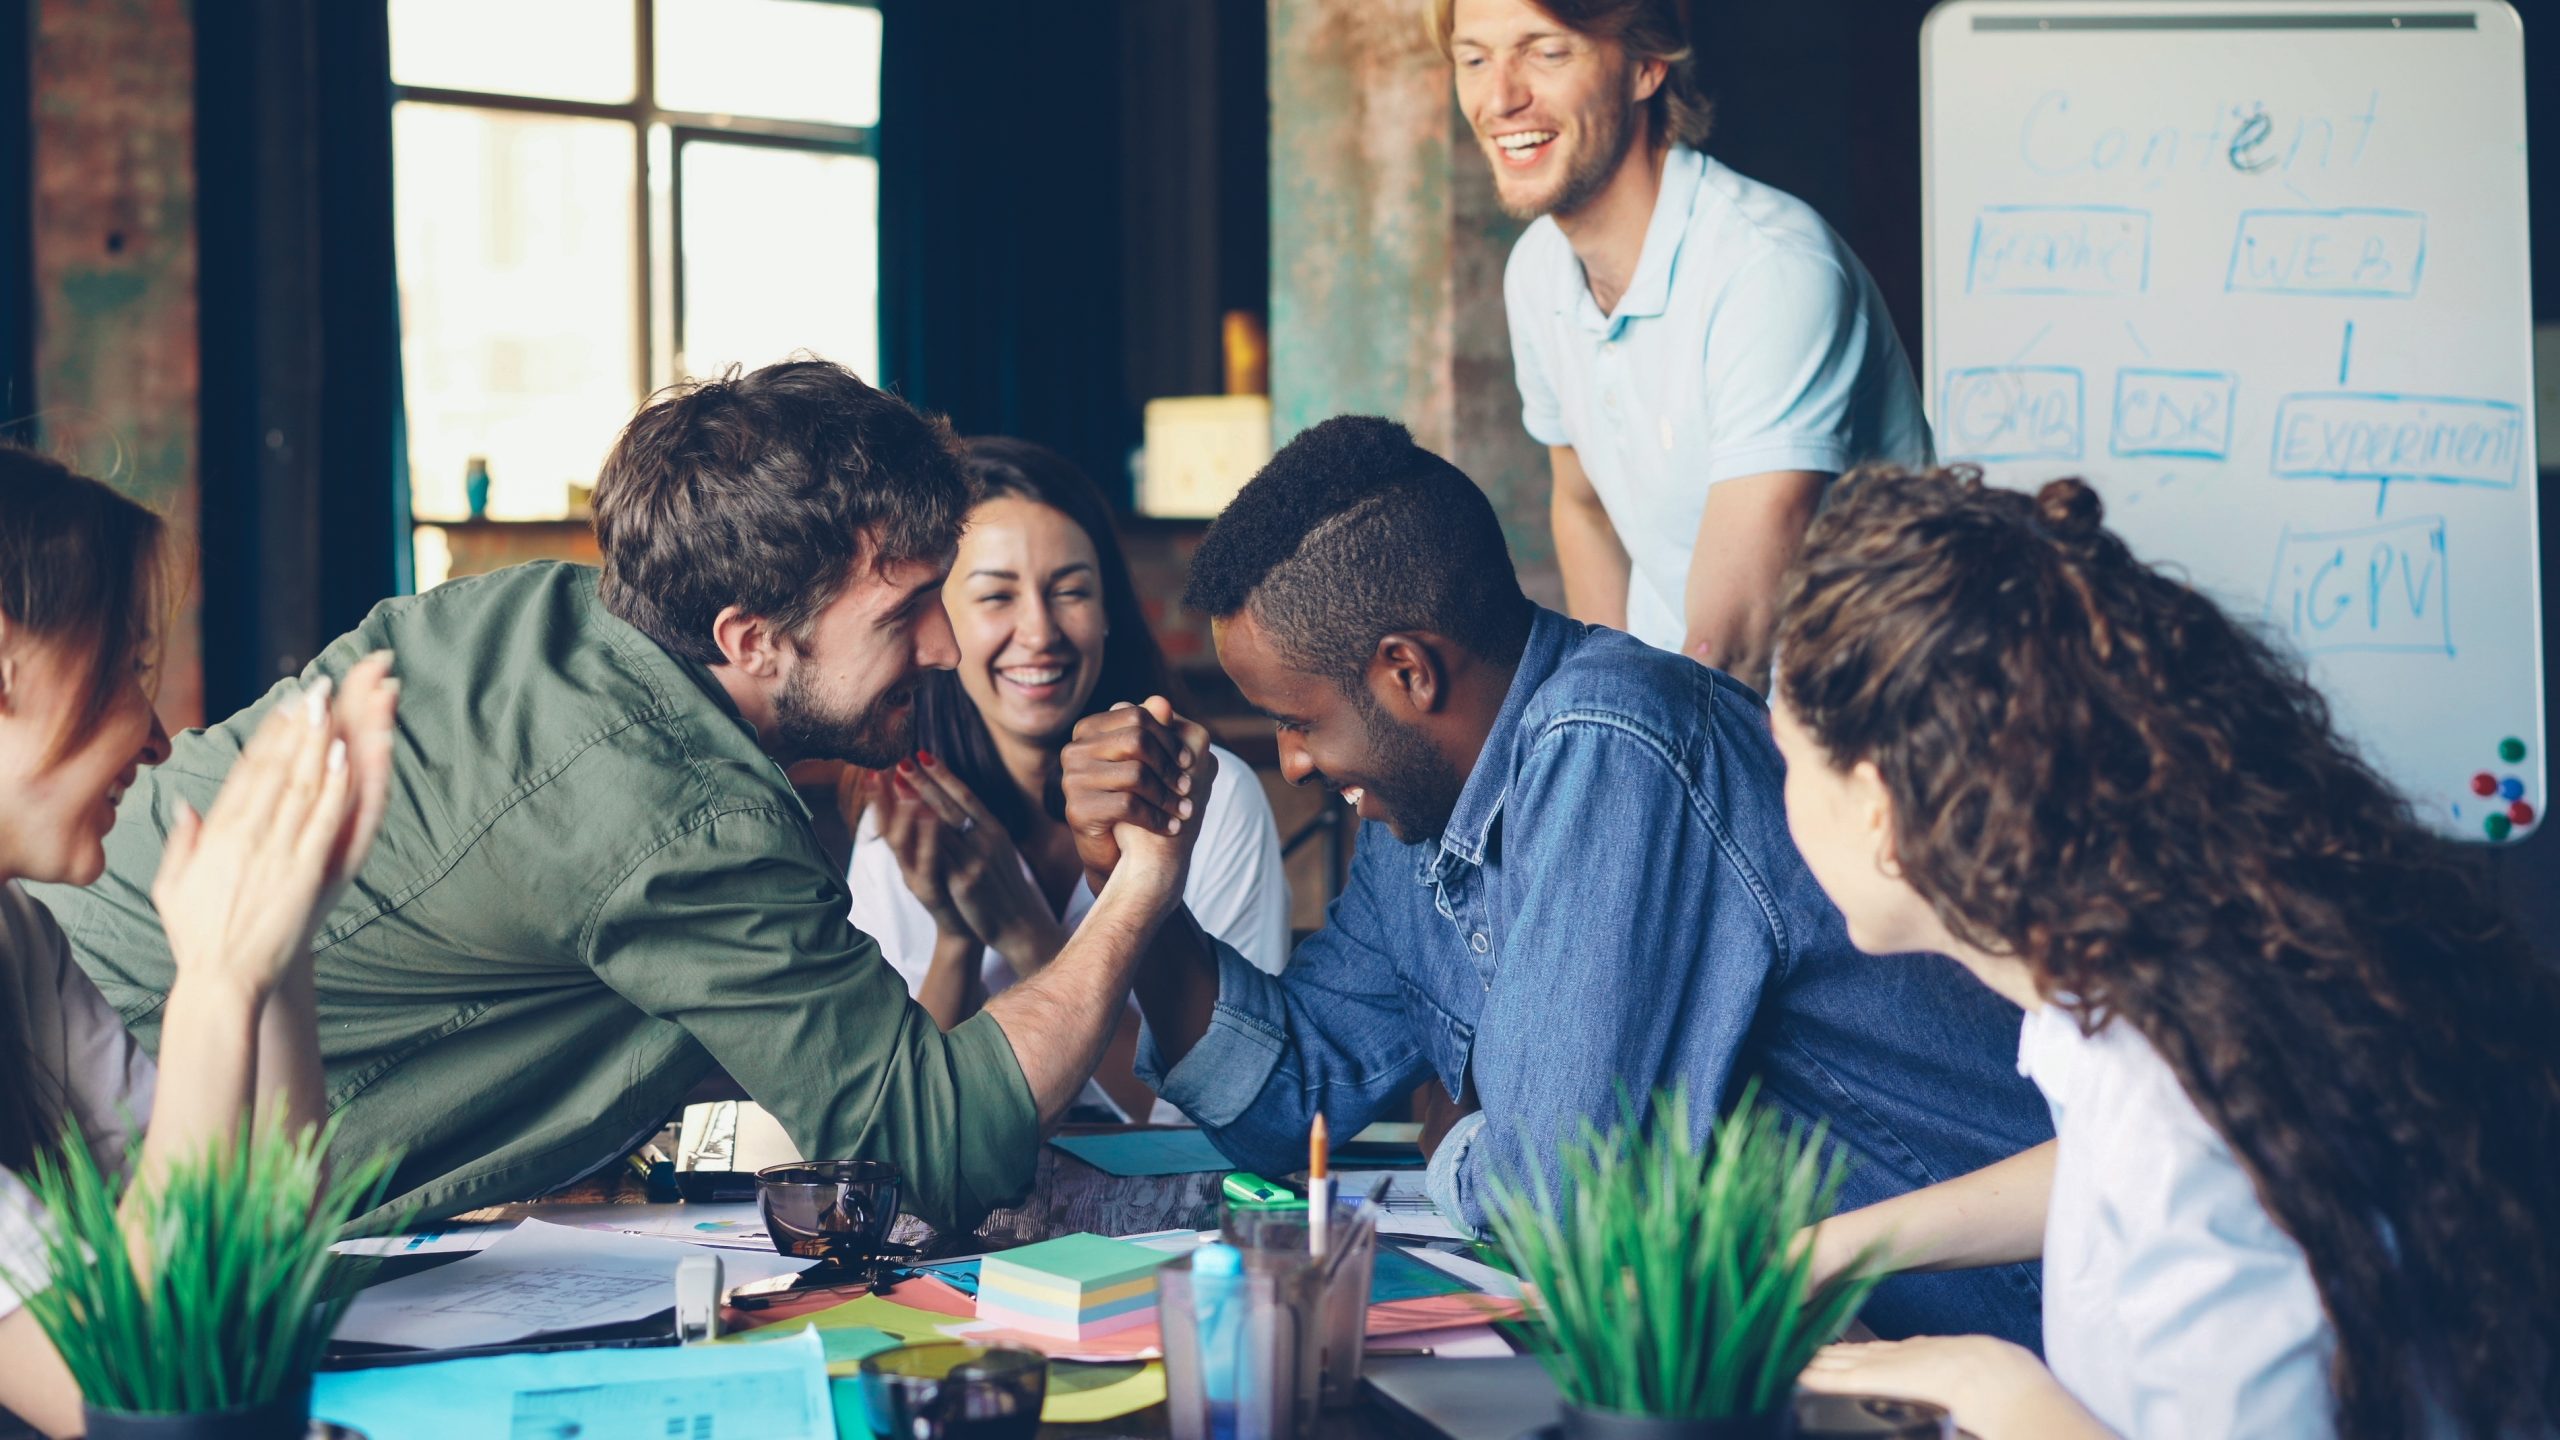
[2175,1308]
[1237,891]
[1749,340]
[81,1049]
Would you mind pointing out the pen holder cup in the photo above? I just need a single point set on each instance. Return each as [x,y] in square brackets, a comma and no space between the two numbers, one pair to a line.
[1241,1352]
[1344,1279]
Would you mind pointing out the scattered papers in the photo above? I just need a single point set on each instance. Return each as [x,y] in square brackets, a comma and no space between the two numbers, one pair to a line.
[775,1391]
[736,1226]
[1474,1273]
[1410,1213]
[1403,1276]
[536,1278]
[1439,1312]
[1465,1342]
[450,1240]
[1145,1152]
[1091,1394]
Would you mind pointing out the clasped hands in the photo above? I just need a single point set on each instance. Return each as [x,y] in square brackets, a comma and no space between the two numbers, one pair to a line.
[1137,780]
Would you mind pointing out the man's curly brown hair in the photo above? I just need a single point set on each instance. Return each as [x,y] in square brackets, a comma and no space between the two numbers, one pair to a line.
[2096,770]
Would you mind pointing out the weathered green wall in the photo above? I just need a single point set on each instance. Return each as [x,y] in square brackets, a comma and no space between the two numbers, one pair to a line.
[114,245]
[1387,254]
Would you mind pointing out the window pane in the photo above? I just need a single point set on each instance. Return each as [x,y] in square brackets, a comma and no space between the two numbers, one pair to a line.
[519,308]
[773,59]
[781,253]
[558,49]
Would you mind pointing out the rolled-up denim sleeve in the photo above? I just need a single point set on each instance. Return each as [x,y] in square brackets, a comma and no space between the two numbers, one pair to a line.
[1328,1034]
[1625,967]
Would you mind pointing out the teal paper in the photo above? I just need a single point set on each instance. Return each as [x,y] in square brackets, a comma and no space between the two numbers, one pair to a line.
[1145,1152]
[776,1390]
[1401,1277]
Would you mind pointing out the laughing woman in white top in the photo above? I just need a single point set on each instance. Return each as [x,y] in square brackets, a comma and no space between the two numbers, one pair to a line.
[238,891]
[960,868]
[2302,1072]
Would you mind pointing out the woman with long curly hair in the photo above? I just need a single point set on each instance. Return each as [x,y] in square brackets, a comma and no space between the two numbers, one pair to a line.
[2307,1179]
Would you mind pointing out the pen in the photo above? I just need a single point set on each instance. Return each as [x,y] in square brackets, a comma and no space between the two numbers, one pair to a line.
[1398,1352]
[1319,1188]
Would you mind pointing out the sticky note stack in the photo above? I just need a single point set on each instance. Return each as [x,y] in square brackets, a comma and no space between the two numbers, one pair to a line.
[1075,1287]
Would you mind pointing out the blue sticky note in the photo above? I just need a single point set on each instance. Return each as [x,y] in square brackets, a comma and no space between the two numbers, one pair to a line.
[776,1390]
[1145,1152]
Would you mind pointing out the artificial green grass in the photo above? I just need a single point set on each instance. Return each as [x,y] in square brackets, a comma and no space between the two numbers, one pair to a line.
[230,1302]
[1667,1281]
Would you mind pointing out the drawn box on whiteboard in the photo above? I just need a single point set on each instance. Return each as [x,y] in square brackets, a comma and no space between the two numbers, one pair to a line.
[2011,412]
[2060,250]
[2383,589]
[2178,414]
[2376,253]
[2365,436]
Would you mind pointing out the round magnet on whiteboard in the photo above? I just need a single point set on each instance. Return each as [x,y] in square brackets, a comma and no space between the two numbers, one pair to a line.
[2484,784]
[2521,812]
[2511,788]
[2511,749]
[2498,826]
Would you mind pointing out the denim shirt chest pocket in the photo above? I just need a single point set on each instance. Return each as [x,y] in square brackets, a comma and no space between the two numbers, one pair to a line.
[1449,970]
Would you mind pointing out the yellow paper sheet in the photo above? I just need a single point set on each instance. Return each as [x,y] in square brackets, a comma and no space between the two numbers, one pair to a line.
[1125,1396]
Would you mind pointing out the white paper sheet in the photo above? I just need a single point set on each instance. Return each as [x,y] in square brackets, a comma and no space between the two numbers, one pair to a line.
[1459,1342]
[538,1277]
[729,1225]
[1410,1213]
[444,1241]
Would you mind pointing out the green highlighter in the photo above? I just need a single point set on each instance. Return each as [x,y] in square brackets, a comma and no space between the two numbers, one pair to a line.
[1245,1191]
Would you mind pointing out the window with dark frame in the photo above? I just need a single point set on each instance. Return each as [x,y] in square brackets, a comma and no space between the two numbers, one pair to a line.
[596,198]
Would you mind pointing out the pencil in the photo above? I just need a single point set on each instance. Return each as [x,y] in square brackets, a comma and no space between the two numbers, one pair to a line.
[1319,1187]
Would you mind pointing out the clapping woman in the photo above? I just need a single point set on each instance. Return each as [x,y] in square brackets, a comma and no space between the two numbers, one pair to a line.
[240,890]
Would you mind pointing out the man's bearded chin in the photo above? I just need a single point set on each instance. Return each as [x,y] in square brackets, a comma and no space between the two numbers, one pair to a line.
[875,737]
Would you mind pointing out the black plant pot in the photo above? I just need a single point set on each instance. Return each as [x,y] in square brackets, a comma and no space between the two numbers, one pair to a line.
[1583,1423]
[287,1417]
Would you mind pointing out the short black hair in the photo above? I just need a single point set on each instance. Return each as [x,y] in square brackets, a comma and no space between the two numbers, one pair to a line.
[761,490]
[1352,533]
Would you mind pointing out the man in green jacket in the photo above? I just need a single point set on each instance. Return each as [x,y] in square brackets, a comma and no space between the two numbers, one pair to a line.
[593,882]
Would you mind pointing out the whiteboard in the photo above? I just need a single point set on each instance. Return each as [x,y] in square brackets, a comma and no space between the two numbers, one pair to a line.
[2258,271]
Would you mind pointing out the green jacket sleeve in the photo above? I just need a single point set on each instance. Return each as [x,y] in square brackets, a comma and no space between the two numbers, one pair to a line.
[736,930]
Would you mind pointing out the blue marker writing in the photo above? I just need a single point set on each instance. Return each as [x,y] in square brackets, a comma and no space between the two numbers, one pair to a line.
[1217,1296]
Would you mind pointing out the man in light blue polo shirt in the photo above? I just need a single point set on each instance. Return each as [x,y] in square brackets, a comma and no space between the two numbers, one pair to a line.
[1699,352]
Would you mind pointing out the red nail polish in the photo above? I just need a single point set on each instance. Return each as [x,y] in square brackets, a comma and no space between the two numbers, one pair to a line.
[926,756]
[906,767]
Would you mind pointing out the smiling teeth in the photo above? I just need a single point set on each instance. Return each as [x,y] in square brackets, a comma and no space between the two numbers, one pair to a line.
[1035,677]
[1351,797]
[1525,140]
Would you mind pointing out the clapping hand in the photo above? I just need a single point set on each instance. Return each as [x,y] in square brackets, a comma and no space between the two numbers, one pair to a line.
[959,862]
[241,890]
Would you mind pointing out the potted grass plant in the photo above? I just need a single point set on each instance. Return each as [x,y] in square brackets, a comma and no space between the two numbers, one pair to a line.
[197,1308]
[1668,1297]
